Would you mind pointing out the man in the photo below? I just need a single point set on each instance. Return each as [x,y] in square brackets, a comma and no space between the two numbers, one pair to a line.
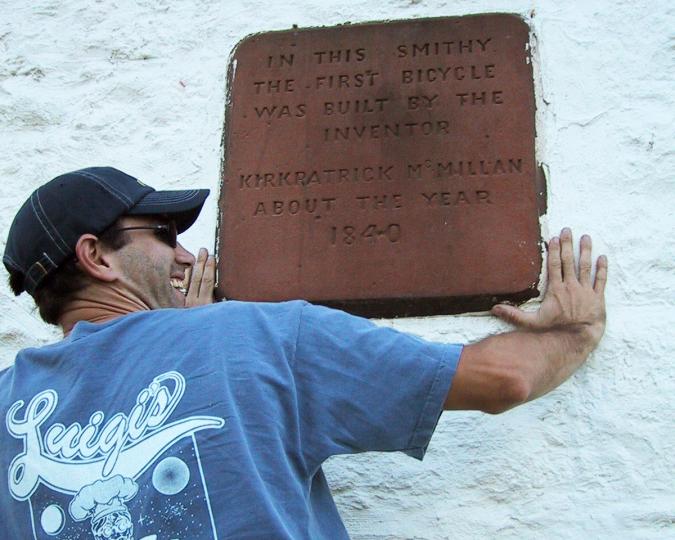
[213,422]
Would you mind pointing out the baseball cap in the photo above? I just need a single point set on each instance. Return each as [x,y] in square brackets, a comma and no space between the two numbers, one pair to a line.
[46,228]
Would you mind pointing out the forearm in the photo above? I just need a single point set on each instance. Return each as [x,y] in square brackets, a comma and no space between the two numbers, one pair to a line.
[505,370]
[541,361]
[547,359]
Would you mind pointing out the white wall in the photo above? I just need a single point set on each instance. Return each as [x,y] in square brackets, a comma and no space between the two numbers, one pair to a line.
[141,85]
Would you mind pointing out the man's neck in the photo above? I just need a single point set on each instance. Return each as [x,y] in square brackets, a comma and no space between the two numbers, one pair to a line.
[98,304]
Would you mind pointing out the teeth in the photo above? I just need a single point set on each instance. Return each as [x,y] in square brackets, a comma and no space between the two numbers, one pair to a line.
[178,284]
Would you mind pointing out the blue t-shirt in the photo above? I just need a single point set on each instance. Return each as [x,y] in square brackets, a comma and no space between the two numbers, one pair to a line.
[210,422]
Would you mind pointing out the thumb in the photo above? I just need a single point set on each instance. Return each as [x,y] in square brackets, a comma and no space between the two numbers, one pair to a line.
[514,315]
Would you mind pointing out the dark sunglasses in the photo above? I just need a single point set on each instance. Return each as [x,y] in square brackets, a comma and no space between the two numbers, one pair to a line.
[165,232]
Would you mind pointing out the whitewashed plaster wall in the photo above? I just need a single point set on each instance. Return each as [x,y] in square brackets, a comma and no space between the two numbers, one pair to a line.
[141,85]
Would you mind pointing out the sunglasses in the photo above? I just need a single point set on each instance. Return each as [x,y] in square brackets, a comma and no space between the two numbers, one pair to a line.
[165,232]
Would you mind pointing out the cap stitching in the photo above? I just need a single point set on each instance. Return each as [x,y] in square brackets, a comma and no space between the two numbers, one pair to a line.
[191,194]
[109,188]
[177,195]
[37,214]
[54,229]
[113,189]
[187,194]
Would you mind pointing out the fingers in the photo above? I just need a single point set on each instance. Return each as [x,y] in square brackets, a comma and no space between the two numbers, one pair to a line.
[569,272]
[569,300]
[514,315]
[202,278]
[188,278]
[197,271]
[208,280]
[553,262]
[561,263]
[585,249]
[600,275]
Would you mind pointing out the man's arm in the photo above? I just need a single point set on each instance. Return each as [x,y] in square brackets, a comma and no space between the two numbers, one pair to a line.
[505,370]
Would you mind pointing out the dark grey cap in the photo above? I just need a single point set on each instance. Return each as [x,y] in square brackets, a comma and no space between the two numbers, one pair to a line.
[47,227]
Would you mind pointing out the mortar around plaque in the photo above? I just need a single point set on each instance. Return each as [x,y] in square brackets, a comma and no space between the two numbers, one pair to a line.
[387,169]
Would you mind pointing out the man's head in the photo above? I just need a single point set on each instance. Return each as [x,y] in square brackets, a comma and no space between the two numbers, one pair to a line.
[146,267]
[85,210]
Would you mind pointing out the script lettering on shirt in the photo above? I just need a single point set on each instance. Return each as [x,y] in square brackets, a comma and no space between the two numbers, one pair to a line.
[153,406]
[96,449]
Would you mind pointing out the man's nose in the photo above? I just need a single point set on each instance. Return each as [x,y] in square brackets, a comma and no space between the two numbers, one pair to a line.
[183,256]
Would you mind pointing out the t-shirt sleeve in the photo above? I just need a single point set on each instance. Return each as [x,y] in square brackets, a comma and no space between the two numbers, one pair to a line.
[361,387]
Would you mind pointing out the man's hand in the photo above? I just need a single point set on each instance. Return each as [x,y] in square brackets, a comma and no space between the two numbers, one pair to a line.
[571,301]
[201,280]
[505,370]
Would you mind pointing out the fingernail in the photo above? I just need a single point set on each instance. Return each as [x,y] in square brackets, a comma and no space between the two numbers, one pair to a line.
[202,253]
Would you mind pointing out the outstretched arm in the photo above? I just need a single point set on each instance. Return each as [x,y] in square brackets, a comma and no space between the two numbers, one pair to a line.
[505,370]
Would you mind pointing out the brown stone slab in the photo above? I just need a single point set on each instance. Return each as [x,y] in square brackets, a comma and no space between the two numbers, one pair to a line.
[388,169]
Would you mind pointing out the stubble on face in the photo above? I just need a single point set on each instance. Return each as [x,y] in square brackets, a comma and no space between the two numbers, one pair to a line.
[149,278]
[147,266]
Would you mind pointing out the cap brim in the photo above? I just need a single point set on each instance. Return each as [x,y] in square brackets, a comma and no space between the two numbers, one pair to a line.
[183,206]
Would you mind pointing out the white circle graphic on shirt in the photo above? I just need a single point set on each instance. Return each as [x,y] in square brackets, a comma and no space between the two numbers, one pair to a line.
[52,519]
[170,476]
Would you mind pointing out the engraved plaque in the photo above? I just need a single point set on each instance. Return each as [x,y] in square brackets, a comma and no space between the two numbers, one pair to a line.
[387,169]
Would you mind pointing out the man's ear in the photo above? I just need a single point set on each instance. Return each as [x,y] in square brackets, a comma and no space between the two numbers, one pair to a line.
[93,259]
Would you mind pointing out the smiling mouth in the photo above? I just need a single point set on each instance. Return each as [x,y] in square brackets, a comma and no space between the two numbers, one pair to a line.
[179,285]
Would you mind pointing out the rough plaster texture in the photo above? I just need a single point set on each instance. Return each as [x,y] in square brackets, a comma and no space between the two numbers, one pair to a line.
[141,85]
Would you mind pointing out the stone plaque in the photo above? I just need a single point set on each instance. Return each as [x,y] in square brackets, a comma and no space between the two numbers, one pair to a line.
[387,169]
